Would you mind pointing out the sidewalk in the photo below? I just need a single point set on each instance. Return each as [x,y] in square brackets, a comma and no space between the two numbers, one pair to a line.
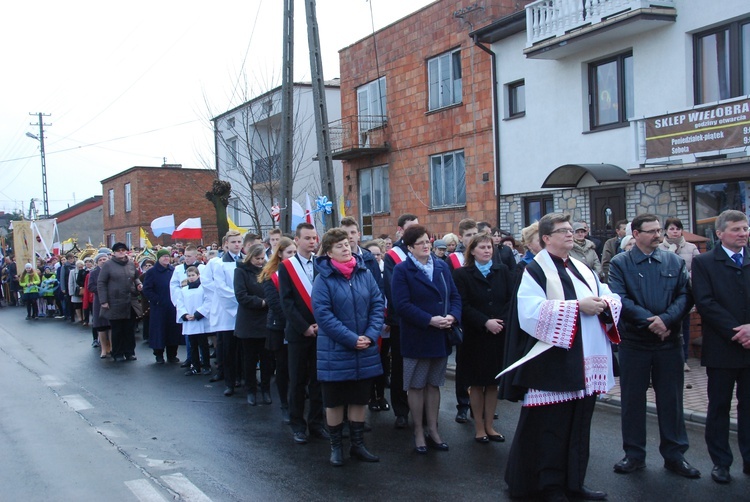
[695,399]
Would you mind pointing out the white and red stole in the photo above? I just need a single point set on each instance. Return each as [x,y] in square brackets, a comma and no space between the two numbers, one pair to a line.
[299,277]
[547,316]
[397,254]
[457,260]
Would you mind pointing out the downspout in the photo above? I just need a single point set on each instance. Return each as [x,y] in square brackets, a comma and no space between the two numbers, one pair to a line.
[495,127]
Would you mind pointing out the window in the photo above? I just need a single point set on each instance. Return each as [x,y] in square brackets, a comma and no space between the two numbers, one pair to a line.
[448,180]
[129,239]
[233,211]
[517,99]
[722,62]
[444,73]
[374,195]
[230,123]
[713,198]
[128,206]
[371,109]
[611,91]
[232,154]
[112,240]
[111,201]
[536,207]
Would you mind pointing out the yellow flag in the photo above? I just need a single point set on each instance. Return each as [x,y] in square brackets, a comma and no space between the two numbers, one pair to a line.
[145,243]
[233,226]
[342,207]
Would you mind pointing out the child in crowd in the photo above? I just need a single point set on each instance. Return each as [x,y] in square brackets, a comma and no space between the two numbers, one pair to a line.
[194,323]
[47,291]
[29,281]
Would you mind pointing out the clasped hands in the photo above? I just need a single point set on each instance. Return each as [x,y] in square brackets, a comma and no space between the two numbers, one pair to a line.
[442,322]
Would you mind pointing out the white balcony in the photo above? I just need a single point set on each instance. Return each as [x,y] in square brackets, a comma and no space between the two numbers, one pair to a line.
[553,25]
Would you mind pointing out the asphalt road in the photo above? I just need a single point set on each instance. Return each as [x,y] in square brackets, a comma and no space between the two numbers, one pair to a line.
[74,427]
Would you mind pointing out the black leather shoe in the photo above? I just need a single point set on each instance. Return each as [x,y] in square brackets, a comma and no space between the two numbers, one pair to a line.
[285,415]
[251,399]
[462,416]
[401,423]
[434,444]
[300,438]
[216,378]
[721,474]
[321,433]
[586,493]
[173,360]
[628,465]
[229,391]
[159,359]
[682,468]
[554,496]
[131,358]
[482,439]
[498,438]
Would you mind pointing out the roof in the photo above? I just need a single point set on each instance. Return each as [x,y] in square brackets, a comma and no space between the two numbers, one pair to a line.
[166,167]
[80,208]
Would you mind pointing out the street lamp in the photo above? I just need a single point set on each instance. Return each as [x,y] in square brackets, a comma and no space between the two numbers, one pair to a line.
[40,139]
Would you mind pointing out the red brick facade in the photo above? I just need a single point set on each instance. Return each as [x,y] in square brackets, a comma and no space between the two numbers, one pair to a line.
[413,132]
[154,192]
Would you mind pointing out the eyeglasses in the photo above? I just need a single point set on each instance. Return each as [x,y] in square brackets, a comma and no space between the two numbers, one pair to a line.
[422,243]
[652,232]
[562,231]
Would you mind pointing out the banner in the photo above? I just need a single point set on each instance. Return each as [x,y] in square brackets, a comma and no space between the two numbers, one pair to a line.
[44,236]
[145,243]
[23,243]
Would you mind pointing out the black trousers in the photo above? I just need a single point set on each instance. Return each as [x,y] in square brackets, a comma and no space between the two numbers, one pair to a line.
[228,343]
[281,356]
[399,401]
[123,337]
[550,449]
[199,350]
[462,388]
[303,377]
[721,382]
[253,351]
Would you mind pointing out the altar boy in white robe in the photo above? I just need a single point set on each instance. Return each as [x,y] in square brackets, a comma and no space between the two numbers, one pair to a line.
[562,307]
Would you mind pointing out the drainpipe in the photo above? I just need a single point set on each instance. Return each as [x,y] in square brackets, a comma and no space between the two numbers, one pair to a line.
[495,126]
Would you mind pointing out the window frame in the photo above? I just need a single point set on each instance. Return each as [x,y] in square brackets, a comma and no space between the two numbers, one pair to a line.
[542,200]
[232,159]
[377,89]
[438,198]
[436,101]
[112,240]
[129,240]
[376,207]
[128,199]
[623,86]
[111,201]
[737,84]
[512,97]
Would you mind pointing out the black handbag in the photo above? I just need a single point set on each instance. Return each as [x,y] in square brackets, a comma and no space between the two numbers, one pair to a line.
[455,333]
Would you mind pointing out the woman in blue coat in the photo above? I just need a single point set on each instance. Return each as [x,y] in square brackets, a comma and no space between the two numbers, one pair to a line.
[349,311]
[163,328]
[428,305]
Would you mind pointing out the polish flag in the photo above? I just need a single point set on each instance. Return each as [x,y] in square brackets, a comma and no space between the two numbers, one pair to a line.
[188,229]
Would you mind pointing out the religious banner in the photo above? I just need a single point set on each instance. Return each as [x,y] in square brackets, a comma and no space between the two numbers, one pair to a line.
[23,243]
[706,129]
[44,236]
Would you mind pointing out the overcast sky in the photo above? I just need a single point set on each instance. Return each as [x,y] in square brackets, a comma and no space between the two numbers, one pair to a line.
[135,83]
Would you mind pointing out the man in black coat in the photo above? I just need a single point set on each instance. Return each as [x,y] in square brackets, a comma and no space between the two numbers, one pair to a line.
[721,287]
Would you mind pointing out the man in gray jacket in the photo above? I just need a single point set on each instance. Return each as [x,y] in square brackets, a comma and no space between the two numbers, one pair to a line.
[653,285]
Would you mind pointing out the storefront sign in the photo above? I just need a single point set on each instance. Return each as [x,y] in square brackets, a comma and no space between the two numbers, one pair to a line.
[718,127]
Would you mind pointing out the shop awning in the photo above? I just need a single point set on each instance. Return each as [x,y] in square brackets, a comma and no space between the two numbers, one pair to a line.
[570,175]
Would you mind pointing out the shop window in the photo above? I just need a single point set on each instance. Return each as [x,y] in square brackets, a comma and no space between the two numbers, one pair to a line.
[611,91]
[722,62]
[710,199]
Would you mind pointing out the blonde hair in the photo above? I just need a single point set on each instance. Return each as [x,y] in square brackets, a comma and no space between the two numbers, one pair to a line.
[272,265]
[528,233]
[450,237]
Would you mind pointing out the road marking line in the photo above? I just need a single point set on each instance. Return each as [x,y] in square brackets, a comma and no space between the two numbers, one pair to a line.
[187,490]
[77,402]
[52,381]
[143,490]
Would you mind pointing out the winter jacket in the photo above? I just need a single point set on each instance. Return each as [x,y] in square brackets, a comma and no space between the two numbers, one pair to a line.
[30,283]
[344,310]
[117,286]
[586,252]
[685,250]
[164,331]
[253,310]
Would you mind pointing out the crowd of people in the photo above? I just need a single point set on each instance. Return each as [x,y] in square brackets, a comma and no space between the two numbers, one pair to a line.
[335,322]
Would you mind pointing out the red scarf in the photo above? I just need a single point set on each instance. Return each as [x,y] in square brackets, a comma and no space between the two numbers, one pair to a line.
[345,268]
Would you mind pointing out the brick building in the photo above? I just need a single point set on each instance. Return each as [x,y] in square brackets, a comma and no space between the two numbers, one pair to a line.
[416,133]
[136,196]
[82,221]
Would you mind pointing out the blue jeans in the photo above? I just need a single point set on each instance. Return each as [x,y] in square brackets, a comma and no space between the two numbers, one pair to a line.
[664,369]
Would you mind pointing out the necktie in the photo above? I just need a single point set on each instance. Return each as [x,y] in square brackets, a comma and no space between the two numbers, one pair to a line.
[737,257]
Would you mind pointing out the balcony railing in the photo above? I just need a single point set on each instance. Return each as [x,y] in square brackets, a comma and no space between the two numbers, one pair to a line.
[358,135]
[267,169]
[553,18]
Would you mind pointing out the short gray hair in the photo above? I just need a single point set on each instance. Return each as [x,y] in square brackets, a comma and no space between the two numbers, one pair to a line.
[730,215]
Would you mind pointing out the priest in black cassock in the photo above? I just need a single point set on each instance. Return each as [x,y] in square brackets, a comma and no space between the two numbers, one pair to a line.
[568,318]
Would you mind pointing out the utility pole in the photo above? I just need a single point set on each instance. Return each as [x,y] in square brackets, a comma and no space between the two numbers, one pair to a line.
[325,159]
[287,118]
[41,125]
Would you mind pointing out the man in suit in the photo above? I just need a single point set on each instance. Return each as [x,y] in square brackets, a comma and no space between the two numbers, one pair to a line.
[721,287]
[296,276]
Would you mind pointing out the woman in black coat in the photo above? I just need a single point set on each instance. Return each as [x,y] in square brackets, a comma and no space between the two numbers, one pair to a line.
[486,289]
[164,331]
[276,322]
[250,325]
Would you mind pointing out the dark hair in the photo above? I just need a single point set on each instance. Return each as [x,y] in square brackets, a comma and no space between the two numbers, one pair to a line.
[621,223]
[274,231]
[250,237]
[730,215]
[413,233]
[404,218]
[348,221]
[673,220]
[194,270]
[508,238]
[303,226]
[639,220]
[375,242]
[384,236]
[475,241]
[547,224]
[483,226]
[466,224]
[331,237]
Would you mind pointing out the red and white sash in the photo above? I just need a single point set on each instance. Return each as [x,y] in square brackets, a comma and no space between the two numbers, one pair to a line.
[397,254]
[275,279]
[457,260]
[300,280]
